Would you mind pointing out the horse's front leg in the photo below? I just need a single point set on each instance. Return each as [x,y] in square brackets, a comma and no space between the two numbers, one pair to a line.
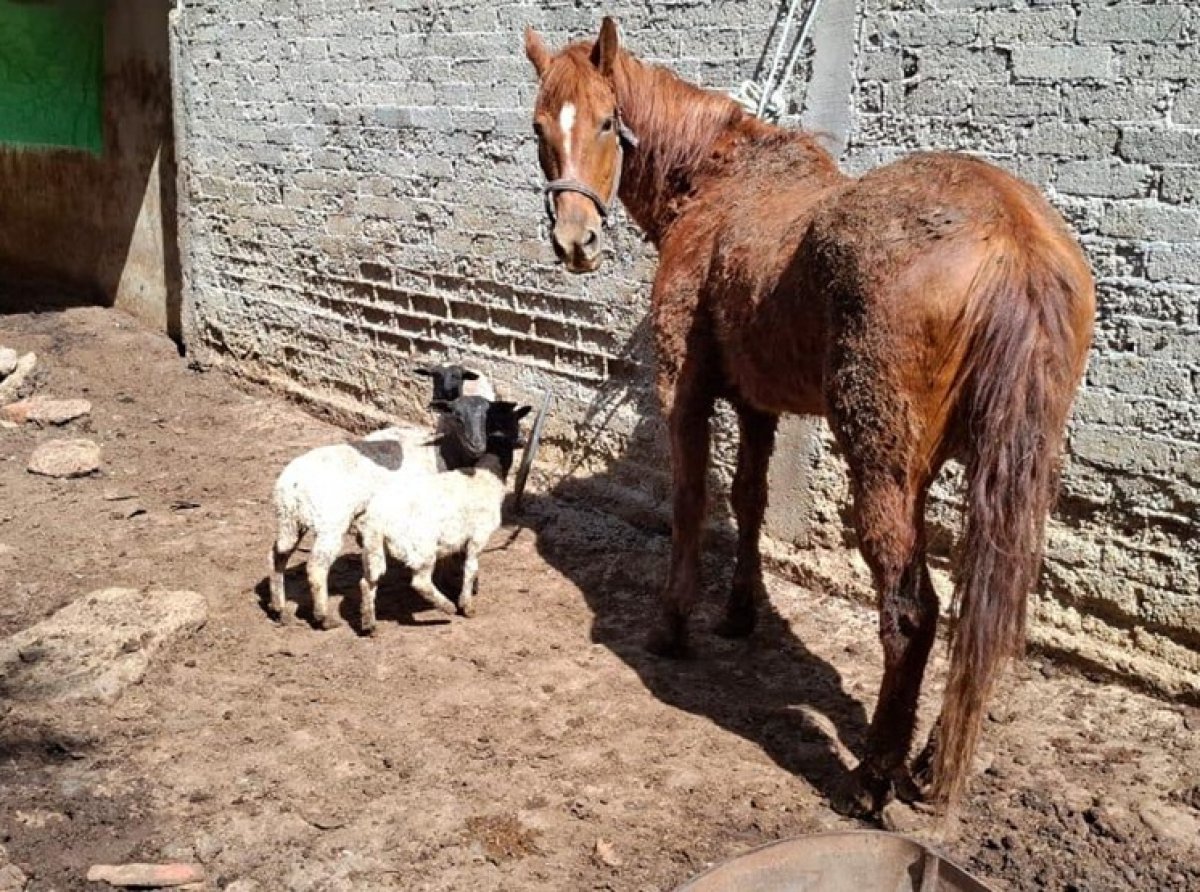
[690,409]
[756,441]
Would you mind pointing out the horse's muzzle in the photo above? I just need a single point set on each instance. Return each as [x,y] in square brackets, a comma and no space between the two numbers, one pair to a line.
[577,244]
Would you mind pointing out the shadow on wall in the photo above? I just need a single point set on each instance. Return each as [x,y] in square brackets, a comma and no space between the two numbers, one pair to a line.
[88,230]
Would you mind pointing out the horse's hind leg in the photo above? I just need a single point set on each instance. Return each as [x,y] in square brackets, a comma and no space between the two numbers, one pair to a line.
[689,413]
[890,518]
[756,440]
[889,504]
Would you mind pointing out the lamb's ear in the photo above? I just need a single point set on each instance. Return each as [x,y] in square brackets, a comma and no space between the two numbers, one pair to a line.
[503,405]
[469,375]
[421,370]
[604,52]
[522,412]
[536,52]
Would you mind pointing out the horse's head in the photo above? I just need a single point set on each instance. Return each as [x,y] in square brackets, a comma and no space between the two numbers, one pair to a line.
[581,142]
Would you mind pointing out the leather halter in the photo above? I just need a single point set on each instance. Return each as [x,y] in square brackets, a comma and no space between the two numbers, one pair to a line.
[626,139]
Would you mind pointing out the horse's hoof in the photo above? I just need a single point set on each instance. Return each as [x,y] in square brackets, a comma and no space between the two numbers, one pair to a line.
[369,631]
[863,794]
[467,609]
[911,787]
[736,625]
[668,640]
[328,622]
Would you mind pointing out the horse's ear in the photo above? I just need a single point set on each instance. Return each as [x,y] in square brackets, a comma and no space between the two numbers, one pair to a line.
[536,52]
[604,52]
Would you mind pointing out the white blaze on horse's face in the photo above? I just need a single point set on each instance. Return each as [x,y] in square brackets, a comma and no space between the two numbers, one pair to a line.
[566,124]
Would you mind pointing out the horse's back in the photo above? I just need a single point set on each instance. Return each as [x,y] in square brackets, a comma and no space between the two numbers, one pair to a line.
[905,242]
[937,205]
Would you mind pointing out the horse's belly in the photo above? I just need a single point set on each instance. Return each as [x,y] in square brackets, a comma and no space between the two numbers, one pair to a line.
[778,373]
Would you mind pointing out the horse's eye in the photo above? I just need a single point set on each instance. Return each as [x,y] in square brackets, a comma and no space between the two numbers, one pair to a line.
[607,125]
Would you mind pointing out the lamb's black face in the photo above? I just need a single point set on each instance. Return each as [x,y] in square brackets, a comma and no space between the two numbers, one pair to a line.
[466,422]
[447,380]
[504,430]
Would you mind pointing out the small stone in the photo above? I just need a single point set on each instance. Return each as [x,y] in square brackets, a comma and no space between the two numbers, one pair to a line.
[8,361]
[1170,824]
[10,387]
[45,411]
[243,886]
[65,458]
[900,818]
[146,875]
[606,854]
[207,848]
[12,879]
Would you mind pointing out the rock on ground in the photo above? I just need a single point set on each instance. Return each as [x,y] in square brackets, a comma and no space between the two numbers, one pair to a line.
[65,458]
[8,361]
[10,387]
[144,876]
[96,646]
[45,411]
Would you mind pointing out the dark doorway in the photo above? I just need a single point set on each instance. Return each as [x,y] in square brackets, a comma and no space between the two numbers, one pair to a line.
[81,226]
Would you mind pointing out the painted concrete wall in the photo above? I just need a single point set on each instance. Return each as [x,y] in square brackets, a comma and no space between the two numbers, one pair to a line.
[360,192]
[81,228]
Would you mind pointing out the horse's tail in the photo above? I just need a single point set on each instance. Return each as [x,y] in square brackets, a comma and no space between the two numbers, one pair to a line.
[1026,352]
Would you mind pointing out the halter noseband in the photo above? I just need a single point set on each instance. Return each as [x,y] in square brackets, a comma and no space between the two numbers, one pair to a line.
[626,138]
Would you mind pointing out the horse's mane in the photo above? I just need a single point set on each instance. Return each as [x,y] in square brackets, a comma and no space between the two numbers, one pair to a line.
[683,129]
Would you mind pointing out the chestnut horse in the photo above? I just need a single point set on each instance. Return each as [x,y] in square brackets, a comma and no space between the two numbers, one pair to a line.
[934,308]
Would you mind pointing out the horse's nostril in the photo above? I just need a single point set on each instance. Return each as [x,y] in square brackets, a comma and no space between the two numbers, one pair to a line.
[592,239]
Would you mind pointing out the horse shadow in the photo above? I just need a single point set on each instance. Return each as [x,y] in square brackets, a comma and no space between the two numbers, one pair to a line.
[770,689]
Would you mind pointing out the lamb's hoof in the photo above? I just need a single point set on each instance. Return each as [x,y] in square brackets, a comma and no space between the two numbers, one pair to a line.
[863,794]
[467,609]
[449,608]
[280,615]
[737,625]
[668,639]
[328,622]
[368,631]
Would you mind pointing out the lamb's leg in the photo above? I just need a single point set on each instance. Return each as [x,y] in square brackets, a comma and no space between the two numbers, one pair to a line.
[281,552]
[374,563]
[422,582]
[470,581]
[325,551]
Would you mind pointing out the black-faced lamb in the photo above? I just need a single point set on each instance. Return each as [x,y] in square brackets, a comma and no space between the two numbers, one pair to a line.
[452,381]
[418,519]
[324,490]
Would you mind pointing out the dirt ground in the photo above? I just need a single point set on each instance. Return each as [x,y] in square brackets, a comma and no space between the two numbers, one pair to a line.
[535,746]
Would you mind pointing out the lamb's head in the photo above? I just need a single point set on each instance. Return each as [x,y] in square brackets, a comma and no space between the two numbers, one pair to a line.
[465,424]
[447,380]
[504,431]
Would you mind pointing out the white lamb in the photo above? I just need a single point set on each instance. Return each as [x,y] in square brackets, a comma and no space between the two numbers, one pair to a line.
[420,519]
[324,490]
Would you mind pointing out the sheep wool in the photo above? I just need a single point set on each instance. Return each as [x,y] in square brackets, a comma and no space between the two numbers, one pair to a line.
[419,519]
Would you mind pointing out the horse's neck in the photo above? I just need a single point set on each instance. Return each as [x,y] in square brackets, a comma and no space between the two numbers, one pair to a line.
[680,129]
